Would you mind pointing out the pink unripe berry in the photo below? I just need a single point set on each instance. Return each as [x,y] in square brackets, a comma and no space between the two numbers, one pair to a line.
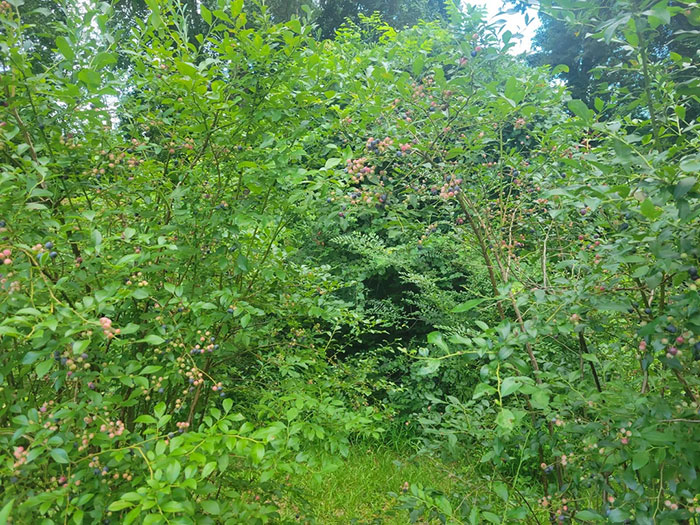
[7,262]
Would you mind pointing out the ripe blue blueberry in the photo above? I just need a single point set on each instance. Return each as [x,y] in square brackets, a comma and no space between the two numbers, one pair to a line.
[48,245]
[53,255]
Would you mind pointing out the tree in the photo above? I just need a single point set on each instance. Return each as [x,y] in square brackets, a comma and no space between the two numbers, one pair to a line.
[595,65]
[397,13]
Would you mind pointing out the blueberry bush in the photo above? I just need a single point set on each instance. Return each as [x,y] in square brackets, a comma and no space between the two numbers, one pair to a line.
[229,257]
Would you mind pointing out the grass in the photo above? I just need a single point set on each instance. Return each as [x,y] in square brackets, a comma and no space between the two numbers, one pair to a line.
[357,491]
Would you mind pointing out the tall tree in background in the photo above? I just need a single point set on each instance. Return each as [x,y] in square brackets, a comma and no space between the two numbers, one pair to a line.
[397,13]
[595,65]
[41,38]
[329,15]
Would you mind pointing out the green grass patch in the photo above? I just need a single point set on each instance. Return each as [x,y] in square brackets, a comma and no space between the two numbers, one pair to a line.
[358,490]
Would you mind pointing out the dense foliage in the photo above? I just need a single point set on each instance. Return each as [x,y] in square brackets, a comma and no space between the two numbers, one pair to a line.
[228,256]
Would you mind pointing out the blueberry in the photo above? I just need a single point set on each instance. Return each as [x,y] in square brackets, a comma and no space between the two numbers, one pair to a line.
[671,329]
[647,311]
[3,224]
[53,255]
[474,53]
[48,245]
[230,310]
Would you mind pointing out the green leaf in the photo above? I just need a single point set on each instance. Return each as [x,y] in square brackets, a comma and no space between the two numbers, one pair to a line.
[153,519]
[589,515]
[431,366]
[505,419]
[208,469]
[59,455]
[640,459]
[173,506]
[132,515]
[242,262]
[418,63]
[540,400]
[257,452]
[159,409]
[43,368]
[622,190]
[236,8]
[649,210]
[5,512]
[510,385]
[119,505]
[483,389]
[514,90]
[64,48]
[435,338]
[206,14]
[211,507]
[691,163]
[90,77]
[96,238]
[684,186]
[618,516]
[172,471]
[332,163]
[152,339]
[469,305]
[579,108]
[151,369]
[501,490]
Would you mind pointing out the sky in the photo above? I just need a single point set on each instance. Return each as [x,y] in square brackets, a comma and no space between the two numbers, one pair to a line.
[515,23]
